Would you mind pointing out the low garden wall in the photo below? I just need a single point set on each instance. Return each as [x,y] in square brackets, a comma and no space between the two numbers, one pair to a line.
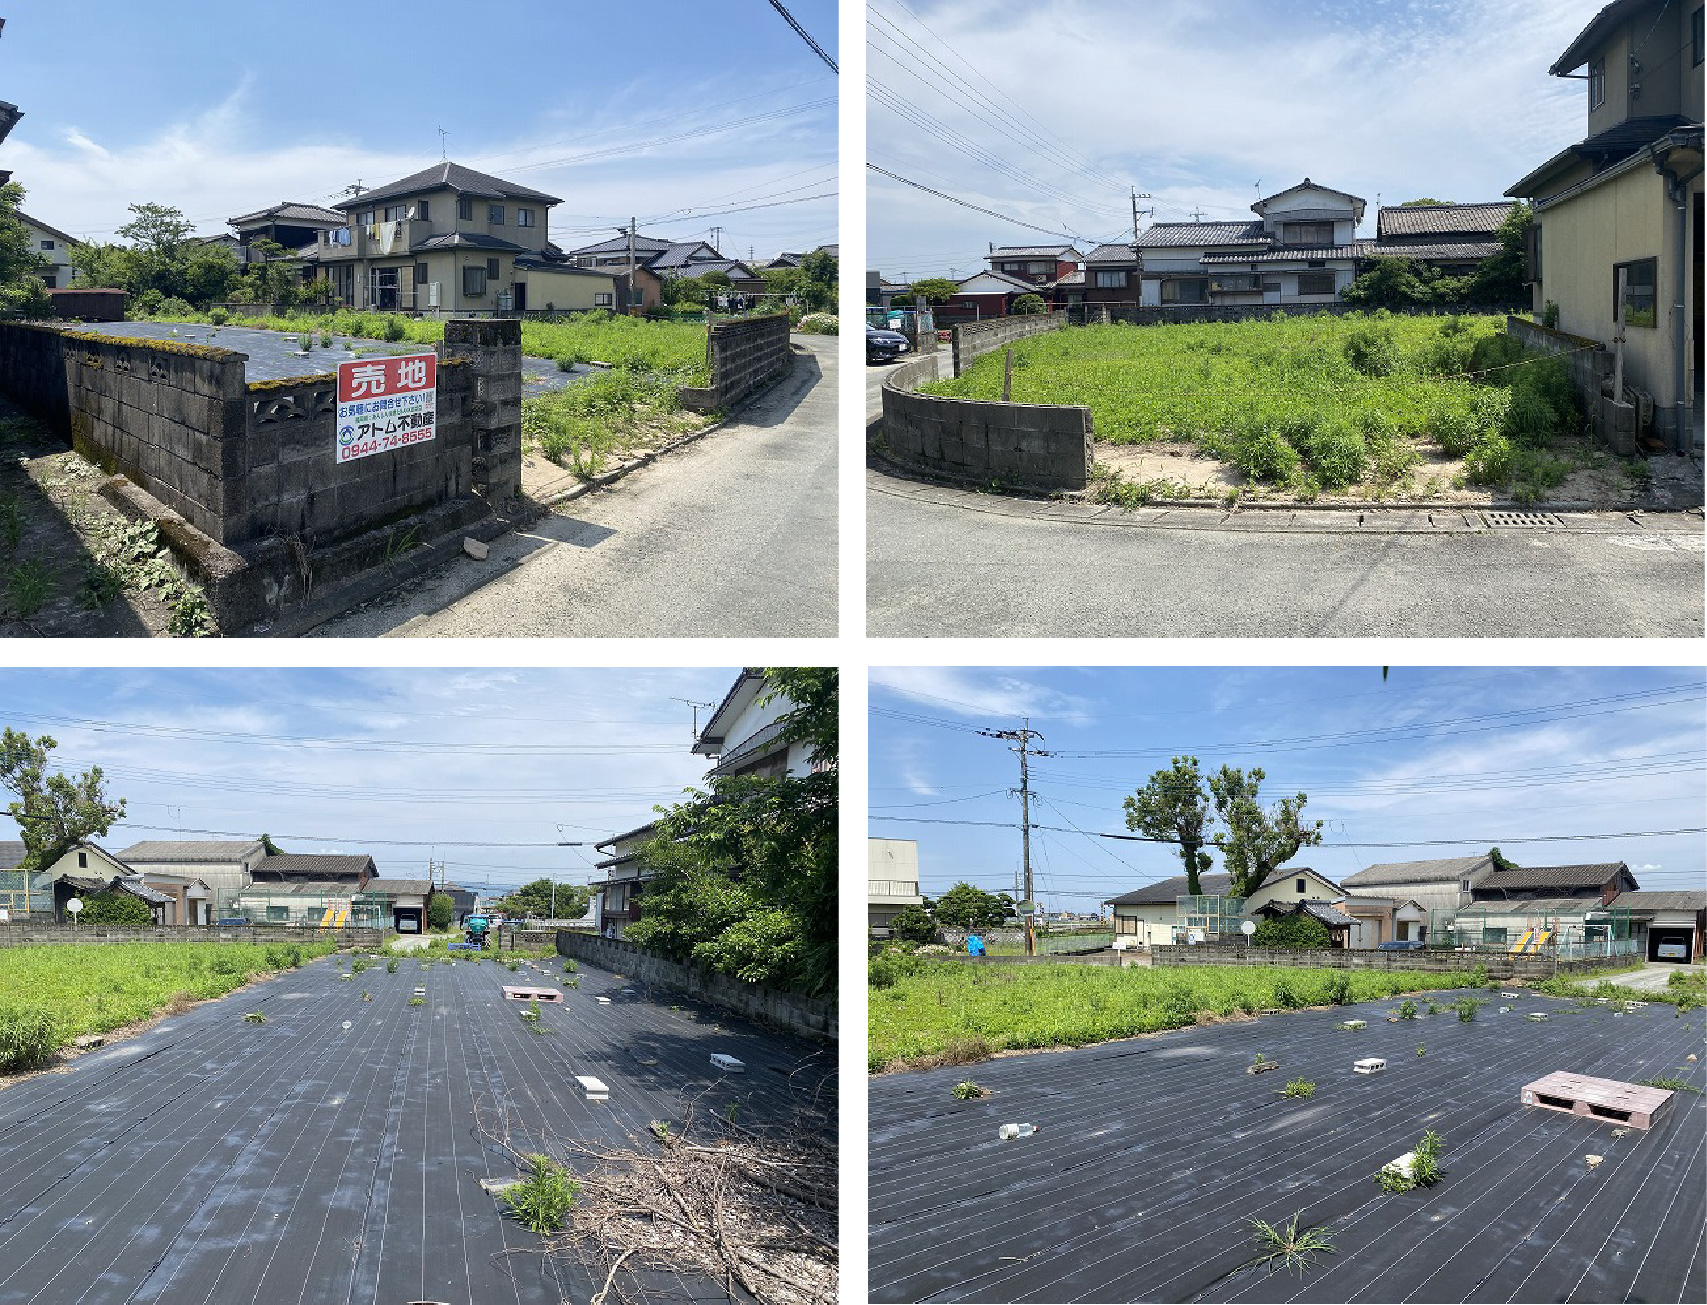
[745,355]
[971,340]
[1498,965]
[40,935]
[1591,366]
[806,1015]
[1175,314]
[243,478]
[1018,445]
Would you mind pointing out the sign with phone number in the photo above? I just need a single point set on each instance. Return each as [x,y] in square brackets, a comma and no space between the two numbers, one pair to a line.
[386,404]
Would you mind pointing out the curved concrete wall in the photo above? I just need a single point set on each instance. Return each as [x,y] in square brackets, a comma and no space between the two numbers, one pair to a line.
[1020,445]
[974,339]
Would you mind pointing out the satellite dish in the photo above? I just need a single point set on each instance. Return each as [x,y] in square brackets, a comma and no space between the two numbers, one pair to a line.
[74,906]
[1248,928]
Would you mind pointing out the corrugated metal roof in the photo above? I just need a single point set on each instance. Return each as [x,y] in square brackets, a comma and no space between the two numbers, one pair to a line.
[171,850]
[293,865]
[1662,900]
[399,887]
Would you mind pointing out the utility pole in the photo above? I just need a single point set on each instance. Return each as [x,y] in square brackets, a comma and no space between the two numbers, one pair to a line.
[630,306]
[1137,256]
[1023,737]
[716,240]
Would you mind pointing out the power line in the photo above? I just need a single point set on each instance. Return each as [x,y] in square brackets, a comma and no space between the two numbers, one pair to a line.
[804,35]
[976,208]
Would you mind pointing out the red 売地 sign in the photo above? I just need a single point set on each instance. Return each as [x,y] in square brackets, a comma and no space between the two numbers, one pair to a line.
[386,404]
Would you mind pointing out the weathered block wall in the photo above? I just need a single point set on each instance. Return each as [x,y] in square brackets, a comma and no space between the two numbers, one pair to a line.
[970,340]
[1498,966]
[296,487]
[786,1010]
[34,935]
[169,416]
[493,350]
[1591,366]
[745,356]
[1170,314]
[1023,445]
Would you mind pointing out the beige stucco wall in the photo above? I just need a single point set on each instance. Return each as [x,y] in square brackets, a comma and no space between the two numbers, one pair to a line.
[1582,238]
[566,293]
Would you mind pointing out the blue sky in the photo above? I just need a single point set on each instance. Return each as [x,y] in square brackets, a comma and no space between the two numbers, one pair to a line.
[1206,106]
[433,757]
[1479,754]
[220,109]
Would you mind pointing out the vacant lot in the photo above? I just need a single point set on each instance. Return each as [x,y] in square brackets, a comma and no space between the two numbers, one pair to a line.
[1153,1158]
[970,1011]
[97,988]
[1373,404]
[324,1139]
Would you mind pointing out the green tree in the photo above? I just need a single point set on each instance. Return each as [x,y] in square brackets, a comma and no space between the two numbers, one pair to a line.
[105,267]
[935,289]
[1296,930]
[1029,306]
[535,901]
[1501,861]
[53,812]
[745,875]
[115,908]
[967,907]
[269,847]
[1500,279]
[1392,283]
[21,287]
[1418,203]
[1255,842]
[1173,807]
[819,280]
[912,923]
[441,909]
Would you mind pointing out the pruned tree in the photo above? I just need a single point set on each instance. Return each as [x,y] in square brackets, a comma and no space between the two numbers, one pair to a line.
[54,812]
[539,901]
[967,907]
[1255,842]
[441,910]
[114,907]
[935,289]
[1172,807]
[912,923]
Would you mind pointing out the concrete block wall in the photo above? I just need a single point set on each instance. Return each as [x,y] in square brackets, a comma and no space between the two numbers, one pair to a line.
[971,340]
[1019,445]
[805,1015]
[745,356]
[1498,965]
[296,488]
[47,935]
[1591,366]
[492,347]
[1160,315]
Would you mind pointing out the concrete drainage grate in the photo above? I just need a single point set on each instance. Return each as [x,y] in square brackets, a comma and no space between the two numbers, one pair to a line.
[1522,520]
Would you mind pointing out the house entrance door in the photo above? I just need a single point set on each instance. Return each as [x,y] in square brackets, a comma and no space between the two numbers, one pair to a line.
[519,291]
[383,292]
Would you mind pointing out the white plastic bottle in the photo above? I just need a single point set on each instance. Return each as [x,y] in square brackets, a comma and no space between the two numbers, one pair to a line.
[1007,1132]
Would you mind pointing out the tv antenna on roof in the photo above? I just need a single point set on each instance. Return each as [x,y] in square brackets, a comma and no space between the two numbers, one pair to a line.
[442,134]
[696,706]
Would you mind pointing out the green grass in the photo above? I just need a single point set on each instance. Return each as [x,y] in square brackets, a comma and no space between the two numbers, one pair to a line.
[1316,403]
[97,988]
[954,1012]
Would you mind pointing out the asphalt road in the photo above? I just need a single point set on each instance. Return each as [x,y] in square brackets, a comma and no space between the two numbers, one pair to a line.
[335,1153]
[943,562]
[733,536]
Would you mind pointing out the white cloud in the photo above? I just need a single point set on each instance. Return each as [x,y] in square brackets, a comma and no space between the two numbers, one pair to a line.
[995,696]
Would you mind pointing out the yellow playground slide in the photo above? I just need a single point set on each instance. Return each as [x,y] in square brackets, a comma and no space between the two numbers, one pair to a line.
[1522,942]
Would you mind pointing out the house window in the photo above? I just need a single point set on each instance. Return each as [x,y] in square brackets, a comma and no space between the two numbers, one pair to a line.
[421,274]
[1111,280]
[495,214]
[1308,233]
[474,282]
[82,860]
[50,280]
[421,210]
[1300,885]
[1638,302]
[47,244]
[1596,83]
[1532,253]
[1697,42]
[365,219]
[278,913]
[1189,290]
[524,217]
[1315,283]
[492,269]
[603,299]
[396,212]
[465,208]
[1492,937]
[1464,885]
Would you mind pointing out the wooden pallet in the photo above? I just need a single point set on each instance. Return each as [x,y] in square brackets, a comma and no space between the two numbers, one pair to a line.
[532,994]
[1629,1104]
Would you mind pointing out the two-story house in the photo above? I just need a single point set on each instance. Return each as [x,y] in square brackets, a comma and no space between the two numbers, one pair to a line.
[1039,265]
[290,225]
[891,881]
[1161,913]
[56,248]
[1301,249]
[1617,239]
[449,239]
[1454,238]
[656,261]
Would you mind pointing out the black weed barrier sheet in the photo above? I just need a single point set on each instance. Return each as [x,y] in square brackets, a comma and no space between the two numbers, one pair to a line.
[213,1160]
[1154,1155]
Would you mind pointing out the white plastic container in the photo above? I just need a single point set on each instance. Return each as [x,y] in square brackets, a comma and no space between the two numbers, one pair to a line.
[1008,1132]
[1369,1065]
[724,1061]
